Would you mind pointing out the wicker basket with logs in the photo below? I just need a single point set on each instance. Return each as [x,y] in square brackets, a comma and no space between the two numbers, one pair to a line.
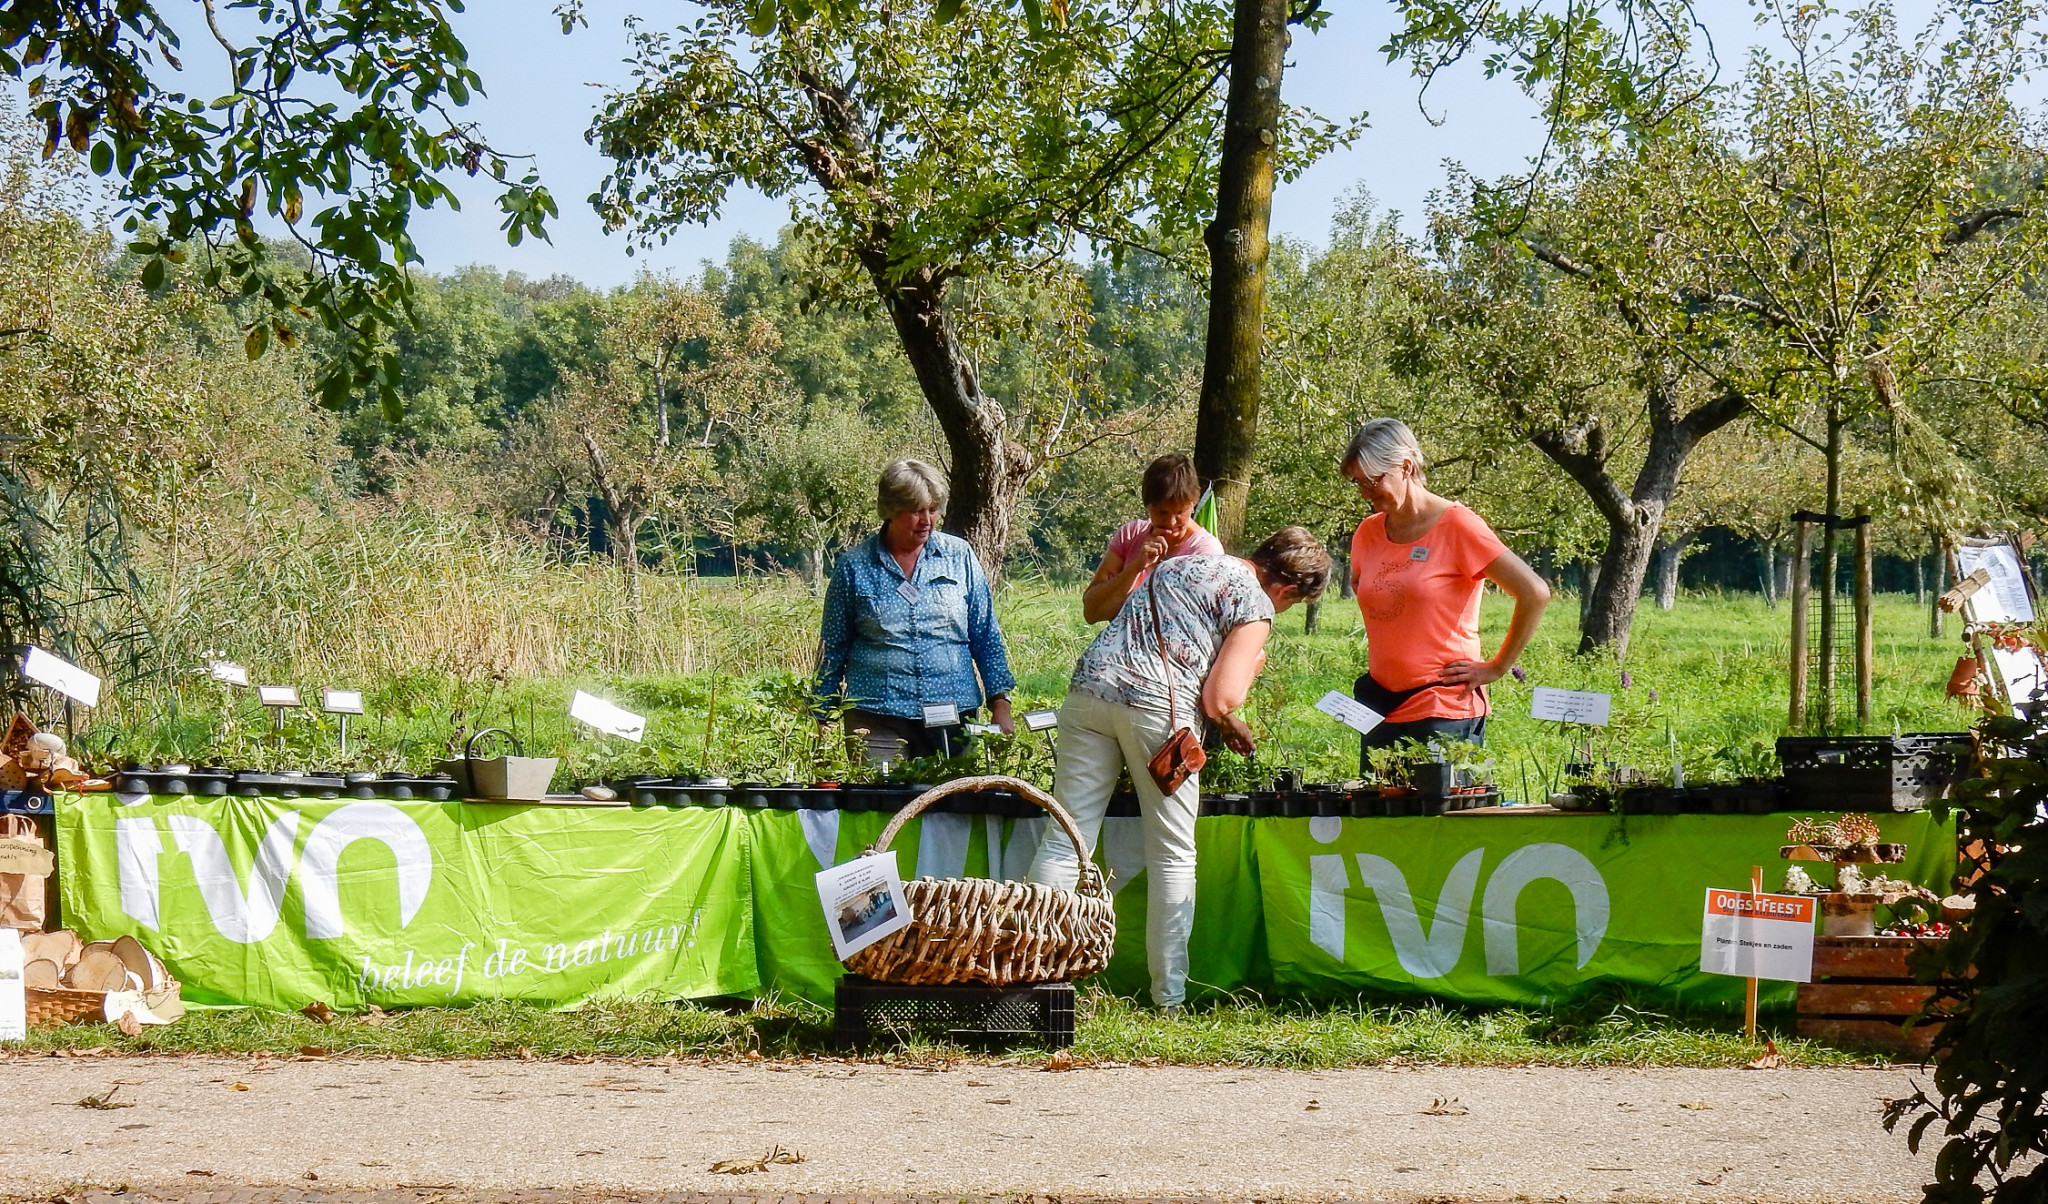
[978,930]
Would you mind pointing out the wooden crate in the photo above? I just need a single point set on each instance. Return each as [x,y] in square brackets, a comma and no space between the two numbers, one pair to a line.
[1862,992]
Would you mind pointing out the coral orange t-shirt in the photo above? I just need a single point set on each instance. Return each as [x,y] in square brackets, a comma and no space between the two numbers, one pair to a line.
[1421,606]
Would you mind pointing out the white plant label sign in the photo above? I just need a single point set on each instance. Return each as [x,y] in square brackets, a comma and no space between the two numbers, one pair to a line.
[1570,706]
[227,671]
[61,675]
[1349,711]
[941,714]
[278,696]
[864,901]
[607,717]
[342,702]
[1758,936]
[1039,721]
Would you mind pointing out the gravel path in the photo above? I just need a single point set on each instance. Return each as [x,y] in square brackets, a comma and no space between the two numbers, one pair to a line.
[1539,1134]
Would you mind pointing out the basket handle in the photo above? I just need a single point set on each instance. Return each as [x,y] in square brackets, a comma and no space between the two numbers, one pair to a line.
[469,745]
[1090,882]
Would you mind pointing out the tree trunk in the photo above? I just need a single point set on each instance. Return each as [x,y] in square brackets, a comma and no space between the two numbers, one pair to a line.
[1770,551]
[1341,565]
[1939,555]
[988,470]
[1227,417]
[1633,519]
[1670,554]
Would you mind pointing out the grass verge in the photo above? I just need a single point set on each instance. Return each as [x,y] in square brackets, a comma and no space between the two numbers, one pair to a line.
[1236,1032]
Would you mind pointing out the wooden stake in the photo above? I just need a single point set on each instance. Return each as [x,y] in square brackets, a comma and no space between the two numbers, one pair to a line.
[1866,649]
[1802,584]
[1756,887]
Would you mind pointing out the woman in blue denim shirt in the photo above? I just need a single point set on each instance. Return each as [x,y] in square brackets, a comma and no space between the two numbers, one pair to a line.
[909,624]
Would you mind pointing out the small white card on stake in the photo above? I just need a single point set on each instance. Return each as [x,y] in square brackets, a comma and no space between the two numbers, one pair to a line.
[984,729]
[1349,711]
[278,696]
[864,901]
[941,714]
[342,702]
[227,671]
[1570,706]
[62,676]
[605,717]
[1038,721]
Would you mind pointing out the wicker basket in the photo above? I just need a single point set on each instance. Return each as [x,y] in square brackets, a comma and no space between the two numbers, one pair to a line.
[976,930]
[51,1009]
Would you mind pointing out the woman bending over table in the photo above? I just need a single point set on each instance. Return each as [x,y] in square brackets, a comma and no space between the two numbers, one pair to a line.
[1213,614]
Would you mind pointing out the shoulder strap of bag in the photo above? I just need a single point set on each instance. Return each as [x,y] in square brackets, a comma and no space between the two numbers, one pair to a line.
[1159,641]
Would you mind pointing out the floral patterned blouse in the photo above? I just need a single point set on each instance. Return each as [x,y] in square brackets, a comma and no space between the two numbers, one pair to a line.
[1202,599]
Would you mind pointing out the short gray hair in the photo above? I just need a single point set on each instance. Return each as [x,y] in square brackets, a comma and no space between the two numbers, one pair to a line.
[908,485]
[1380,446]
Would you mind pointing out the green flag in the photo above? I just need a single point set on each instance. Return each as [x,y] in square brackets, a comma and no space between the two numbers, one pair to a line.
[1205,510]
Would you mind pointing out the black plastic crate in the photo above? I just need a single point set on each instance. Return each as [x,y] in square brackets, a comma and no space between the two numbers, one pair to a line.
[1869,773]
[866,1012]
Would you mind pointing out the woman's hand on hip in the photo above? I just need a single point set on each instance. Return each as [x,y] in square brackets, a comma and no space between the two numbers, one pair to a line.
[1472,674]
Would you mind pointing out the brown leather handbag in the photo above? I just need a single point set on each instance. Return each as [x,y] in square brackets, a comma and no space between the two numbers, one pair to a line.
[1181,757]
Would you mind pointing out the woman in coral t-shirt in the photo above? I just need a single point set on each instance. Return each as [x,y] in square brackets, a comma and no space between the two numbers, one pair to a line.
[1418,565]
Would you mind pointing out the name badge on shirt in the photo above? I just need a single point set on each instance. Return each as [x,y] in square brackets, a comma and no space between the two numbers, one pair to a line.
[1418,553]
[907,592]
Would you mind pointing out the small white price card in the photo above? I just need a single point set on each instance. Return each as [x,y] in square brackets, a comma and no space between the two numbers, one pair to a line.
[1039,721]
[864,901]
[278,696]
[1349,711]
[941,714]
[62,676]
[342,702]
[1758,936]
[984,729]
[605,717]
[1570,706]
[227,671]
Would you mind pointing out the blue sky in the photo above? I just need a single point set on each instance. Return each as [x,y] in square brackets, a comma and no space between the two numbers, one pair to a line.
[543,93]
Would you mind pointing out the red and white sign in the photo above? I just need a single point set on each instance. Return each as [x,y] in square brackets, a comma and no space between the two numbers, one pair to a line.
[1758,936]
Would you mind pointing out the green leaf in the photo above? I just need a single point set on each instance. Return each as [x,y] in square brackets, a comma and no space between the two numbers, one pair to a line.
[102,158]
[257,342]
[761,21]
[153,274]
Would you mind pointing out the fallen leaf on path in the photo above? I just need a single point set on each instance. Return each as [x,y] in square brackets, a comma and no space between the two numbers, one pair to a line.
[1061,1061]
[996,1101]
[311,1175]
[129,1025]
[1313,1106]
[201,1174]
[1709,1181]
[1770,1060]
[1697,1105]
[588,1153]
[1446,1107]
[747,1166]
[104,1100]
[238,1086]
[318,1011]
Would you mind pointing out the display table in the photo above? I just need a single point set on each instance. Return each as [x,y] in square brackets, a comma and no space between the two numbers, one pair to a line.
[278,903]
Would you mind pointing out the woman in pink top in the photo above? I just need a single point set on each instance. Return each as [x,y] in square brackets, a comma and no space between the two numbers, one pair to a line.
[1170,490]
[1418,564]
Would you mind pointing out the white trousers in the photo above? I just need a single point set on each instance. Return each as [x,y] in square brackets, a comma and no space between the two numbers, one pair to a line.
[1098,739]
